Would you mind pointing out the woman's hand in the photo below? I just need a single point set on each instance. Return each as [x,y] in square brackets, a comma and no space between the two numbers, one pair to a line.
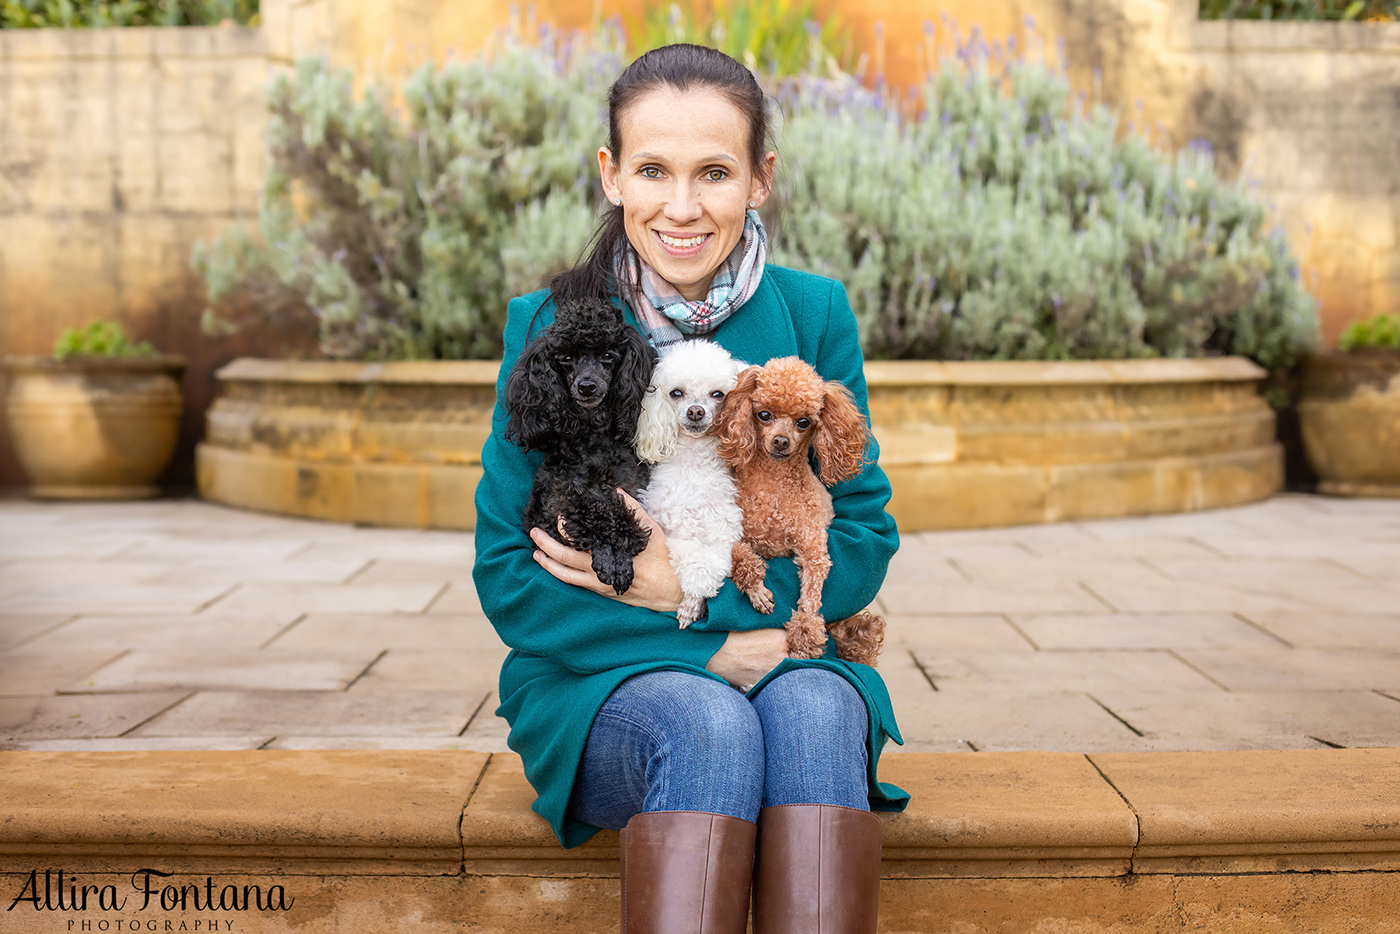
[746,657]
[654,583]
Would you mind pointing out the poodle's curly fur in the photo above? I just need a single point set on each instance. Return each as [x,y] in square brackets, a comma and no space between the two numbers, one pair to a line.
[691,494]
[575,395]
[775,416]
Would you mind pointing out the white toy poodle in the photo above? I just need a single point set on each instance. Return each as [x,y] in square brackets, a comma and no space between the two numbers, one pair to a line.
[691,493]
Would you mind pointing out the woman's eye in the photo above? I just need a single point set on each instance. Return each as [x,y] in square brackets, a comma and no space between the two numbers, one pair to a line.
[717,175]
[676,393]
[650,171]
[716,395]
[765,416]
[804,423]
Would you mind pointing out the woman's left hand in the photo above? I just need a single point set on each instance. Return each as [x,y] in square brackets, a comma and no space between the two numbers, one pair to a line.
[654,583]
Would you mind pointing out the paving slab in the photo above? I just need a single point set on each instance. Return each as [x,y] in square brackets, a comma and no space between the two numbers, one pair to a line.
[25,719]
[1258,625]
[329,631]
[316,713]
[1284,669]
[1010,720]
[329,598]
[1257,719]
[144,744]
[144,670]
[1332,630]
[1142,631]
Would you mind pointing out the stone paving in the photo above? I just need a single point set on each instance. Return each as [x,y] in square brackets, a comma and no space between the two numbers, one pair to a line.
[176,624]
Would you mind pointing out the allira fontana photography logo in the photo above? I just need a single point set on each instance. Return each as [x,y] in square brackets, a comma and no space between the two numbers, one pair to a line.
[149,892]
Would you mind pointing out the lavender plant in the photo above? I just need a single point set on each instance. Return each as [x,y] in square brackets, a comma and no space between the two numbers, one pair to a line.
[1009,220]
[1012,221]
[403,229]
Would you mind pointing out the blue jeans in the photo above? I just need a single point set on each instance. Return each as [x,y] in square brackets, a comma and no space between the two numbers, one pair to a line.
[672,741]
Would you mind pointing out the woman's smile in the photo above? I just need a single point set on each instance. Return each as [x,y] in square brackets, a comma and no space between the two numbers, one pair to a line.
[683,246]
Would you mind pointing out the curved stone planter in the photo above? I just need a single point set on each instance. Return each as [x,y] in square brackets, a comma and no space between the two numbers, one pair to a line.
[965,444]
[1350,418]
[94,427]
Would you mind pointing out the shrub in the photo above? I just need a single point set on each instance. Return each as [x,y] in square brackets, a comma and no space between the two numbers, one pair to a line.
[99,339]
[71,14]
[405,234]
[776,38]
[1299,9]
[1010,221]
[1379,331]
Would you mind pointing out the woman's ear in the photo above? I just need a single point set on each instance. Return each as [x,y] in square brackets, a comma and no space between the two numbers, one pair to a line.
[738,442]
[656,429]
[762,186]
[841,437]
[608,169]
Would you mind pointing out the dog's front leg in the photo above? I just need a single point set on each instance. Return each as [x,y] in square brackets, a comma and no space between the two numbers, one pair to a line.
[749,571]
[806,630]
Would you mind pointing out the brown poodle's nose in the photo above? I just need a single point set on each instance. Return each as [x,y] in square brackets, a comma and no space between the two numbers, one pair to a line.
[780,444]
[696,413]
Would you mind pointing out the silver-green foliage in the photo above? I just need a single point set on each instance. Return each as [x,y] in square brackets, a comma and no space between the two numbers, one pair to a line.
[1012,221]
[403,221]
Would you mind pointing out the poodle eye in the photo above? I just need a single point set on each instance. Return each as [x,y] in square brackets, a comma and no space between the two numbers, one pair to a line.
[564,359]
[804,423]
[765,416]
[716,395]
[677,393]
[610,356]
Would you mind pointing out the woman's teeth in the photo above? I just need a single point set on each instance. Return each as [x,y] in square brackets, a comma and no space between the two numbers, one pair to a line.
[682,244]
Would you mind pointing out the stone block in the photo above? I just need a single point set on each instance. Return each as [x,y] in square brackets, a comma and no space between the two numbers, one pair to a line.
[1304,629]
[1161,631]
[448,632]
[1001,718]
[954,634]
[959,496]
[961,599]
[206,632]
[1061,671]
[314,713]
[1276,719]
[272,670]
[1279,668]
[26,720]
[329,598]
[37,671]
[473,671]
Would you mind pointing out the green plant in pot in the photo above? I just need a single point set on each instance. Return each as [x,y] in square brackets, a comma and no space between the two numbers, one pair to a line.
[96,420]
[1350,410]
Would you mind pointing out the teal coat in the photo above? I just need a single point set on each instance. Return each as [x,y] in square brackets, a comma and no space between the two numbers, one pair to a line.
[571,648]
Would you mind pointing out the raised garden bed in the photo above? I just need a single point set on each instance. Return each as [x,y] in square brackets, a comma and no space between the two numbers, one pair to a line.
[966,445]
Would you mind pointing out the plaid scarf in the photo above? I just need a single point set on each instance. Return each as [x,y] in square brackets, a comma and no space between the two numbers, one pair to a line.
[668,316]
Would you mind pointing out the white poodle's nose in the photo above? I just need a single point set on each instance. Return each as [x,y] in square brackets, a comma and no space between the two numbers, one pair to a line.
[696,413]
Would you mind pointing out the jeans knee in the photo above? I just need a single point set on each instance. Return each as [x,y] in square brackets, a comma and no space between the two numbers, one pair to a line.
[818,697]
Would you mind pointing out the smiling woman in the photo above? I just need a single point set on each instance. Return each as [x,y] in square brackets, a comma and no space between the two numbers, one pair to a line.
[623,718]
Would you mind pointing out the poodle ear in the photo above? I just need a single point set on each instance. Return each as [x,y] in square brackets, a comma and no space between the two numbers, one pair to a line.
[630,381]
[656,429]
[738,442]
[535,396]
[841,435]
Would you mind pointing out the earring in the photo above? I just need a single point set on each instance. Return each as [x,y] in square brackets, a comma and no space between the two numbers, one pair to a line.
[752,205]
[617,201]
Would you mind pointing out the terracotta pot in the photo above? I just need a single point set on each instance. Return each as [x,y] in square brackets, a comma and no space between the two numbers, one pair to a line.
[94,427]
[1350,418]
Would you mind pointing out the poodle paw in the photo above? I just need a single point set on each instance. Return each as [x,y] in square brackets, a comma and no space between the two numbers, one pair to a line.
[692,608]
[762,599]
[804,639]
[613,569]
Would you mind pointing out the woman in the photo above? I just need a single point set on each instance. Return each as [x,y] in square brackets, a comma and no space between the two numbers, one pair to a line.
[623,720]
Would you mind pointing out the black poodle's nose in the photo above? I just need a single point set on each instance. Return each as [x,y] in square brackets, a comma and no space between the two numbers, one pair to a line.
[780,444]
[696,413]
[586,387]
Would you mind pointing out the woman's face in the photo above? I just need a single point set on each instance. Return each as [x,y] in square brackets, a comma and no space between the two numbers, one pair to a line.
[685,178]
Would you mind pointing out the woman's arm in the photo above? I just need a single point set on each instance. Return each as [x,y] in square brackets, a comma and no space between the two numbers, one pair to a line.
[532,610]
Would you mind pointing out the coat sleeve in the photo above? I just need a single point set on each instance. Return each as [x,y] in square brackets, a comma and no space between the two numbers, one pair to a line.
[862,538]
[534,612]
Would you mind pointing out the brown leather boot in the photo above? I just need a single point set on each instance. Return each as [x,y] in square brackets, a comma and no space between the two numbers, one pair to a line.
[817,870]
[686,872]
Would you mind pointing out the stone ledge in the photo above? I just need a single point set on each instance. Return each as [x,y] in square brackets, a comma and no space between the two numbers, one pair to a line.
[984,815]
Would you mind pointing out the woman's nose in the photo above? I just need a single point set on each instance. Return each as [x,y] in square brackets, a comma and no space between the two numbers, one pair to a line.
[684,204]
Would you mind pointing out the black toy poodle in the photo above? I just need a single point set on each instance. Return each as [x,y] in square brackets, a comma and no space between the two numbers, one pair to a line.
[575,395]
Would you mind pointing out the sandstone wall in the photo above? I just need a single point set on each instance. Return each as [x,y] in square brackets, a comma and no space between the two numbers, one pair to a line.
[120,148]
